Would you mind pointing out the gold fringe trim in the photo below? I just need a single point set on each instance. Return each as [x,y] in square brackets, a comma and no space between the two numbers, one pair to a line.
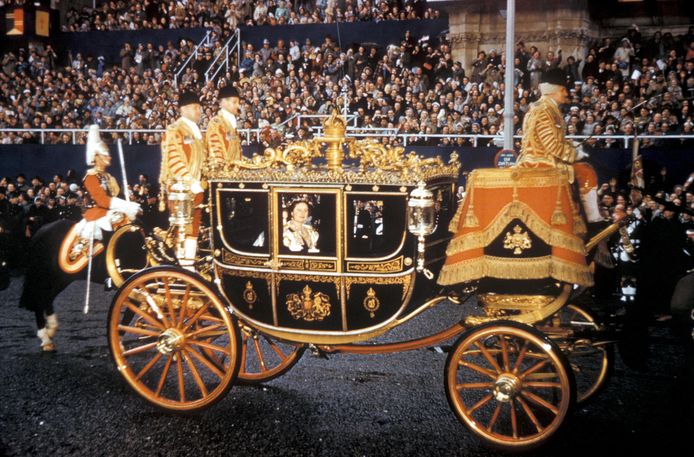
[515,210]
[508,268]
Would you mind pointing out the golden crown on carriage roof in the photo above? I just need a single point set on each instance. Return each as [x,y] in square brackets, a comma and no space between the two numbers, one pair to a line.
[299,161]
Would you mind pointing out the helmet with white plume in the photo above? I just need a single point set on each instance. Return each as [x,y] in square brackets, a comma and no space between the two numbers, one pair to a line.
[95,145]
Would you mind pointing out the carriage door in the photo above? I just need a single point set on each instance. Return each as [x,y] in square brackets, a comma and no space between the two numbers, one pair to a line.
[307,253]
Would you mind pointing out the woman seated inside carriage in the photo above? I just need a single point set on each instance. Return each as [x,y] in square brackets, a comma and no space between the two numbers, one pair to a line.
[297,234]
[524,223]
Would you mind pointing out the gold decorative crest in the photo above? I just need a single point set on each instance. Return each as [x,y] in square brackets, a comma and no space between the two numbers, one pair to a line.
[371,302]
[294,162]
[249,295]
[518,241]
[309,306]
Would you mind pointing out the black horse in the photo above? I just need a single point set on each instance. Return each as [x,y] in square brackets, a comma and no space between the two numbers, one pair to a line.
[45,279]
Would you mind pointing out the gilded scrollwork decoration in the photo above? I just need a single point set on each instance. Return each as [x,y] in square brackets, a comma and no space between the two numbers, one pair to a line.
[294,162]
[309,306]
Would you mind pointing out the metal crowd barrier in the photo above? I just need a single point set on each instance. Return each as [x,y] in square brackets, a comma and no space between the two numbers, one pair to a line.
[253,135]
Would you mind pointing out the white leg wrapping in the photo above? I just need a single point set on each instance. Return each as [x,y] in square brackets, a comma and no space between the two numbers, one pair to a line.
[190,248]
[46,342]
[51,325]
[591,206]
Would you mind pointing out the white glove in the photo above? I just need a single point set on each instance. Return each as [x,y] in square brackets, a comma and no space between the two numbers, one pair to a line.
[196,188]
[580,153]
[130,209]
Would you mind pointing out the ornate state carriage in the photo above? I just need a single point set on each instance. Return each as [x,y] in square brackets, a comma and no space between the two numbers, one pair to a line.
[325,250]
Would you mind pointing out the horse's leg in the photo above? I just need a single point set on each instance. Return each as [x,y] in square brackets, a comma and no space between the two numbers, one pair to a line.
[51,320]
[43,332]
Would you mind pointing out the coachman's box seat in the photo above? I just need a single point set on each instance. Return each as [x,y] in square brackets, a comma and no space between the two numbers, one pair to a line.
[517,224]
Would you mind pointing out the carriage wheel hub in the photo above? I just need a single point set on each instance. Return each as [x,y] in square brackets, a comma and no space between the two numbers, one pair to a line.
[506,387]
[170,341]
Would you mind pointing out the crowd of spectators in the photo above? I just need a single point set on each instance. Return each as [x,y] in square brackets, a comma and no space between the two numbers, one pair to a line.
[224,16]
[28,204]
[412,87]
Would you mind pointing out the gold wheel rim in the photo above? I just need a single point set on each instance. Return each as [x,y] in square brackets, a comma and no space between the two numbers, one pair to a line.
[264,358]
[587,384]
[508,386]
[112,267]
[163,326]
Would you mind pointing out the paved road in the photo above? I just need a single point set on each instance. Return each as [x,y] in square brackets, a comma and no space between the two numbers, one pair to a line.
[75,403]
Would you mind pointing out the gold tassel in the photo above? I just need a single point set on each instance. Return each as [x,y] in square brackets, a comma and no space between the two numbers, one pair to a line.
[514,210]
[558,217]
[580,228]
[470,218]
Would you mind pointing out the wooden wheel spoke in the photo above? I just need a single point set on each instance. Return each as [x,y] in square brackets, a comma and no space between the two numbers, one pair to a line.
[477,368]
[184,306]
[530,414]
[162,378]
[210,346]
[203,331]
[540,401]
[211,318]
[514,419]
[259,351]
[196,375]
[504,353]
[479,404]
[244,350]
[277,349]
[521,356]
[543,384]
[146,316]
[474,385]
[181,380]
[210,366]
[149,365]
[533,369]
[196,316]
[140,349]
[169,304]
[495,416]
[488,356]
[138,330]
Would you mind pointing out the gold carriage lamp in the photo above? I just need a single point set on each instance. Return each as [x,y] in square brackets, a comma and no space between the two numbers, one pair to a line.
[180,202]
[420,221]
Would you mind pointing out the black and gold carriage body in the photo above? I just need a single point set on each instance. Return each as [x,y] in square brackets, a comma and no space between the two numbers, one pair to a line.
[359,278]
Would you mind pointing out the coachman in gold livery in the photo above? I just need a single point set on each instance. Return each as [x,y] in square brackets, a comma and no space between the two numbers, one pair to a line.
[183,158]
[223,142]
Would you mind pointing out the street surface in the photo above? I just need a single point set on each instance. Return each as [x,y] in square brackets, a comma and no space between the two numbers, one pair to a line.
[74,402]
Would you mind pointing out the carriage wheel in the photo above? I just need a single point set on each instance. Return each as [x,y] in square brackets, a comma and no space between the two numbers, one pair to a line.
[264,358]
[592,364]
[509,384]
[163,325]
[126,254]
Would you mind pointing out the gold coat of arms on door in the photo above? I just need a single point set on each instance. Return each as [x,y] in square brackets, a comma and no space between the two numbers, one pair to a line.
[309,306]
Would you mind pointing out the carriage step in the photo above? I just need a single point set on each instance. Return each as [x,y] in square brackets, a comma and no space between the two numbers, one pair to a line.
[317,352]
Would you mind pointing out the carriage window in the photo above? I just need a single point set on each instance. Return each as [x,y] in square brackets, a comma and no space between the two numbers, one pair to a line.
[244,220]
[368,219]
[375,224]
[307,223]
